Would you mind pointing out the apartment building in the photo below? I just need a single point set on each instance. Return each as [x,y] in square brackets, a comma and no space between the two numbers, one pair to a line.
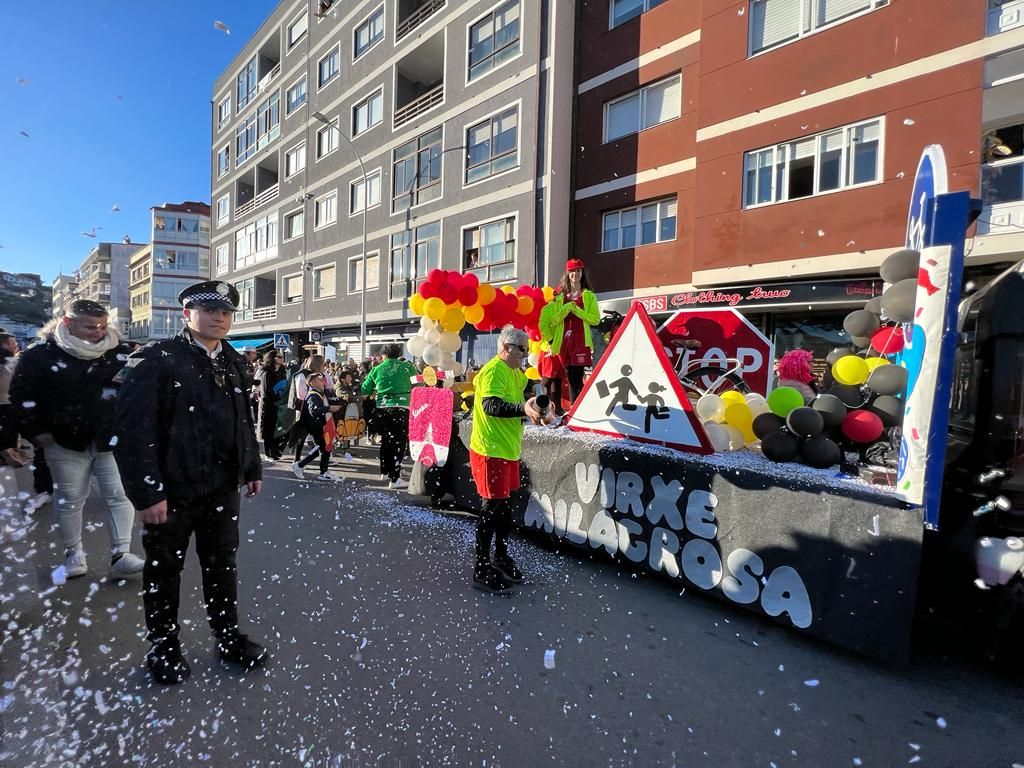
[103,277]
[761,153]
[441,125]
[177,256]
[64,290]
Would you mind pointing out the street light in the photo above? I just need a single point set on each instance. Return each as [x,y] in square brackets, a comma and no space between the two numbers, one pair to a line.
[322,118]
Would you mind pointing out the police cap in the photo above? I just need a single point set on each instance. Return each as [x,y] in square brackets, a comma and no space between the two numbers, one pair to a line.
[212,294]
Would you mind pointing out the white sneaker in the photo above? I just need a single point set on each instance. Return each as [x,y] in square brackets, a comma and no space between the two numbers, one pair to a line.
[327,477]
[397,485]
[38,501]
[298,471]
[127,565]
[383,477]
[75,565]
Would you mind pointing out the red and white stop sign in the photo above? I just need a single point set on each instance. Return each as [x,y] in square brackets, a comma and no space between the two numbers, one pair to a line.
[727,339]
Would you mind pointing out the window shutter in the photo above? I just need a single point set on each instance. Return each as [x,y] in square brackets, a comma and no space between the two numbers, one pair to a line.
[668,208]
[623,117]
[864,134]
[773,22]
[649,213]
[832,142]
[801,149]
[827,11]
[629,218]
[661,101]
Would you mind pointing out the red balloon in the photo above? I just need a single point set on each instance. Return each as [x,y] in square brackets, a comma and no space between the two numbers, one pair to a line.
[447,293]
[534,334]
[862,426]
[454,279]
[428,290]
[523,290]
[467,294]
[436,277]
[888,340]
[470,279]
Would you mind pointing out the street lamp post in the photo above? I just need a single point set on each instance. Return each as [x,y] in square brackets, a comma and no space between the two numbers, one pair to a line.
[322,118]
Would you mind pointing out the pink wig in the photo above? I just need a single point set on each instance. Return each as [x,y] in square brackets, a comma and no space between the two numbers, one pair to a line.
[796,366]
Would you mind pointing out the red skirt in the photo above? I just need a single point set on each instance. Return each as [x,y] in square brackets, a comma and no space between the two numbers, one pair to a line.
[550,366]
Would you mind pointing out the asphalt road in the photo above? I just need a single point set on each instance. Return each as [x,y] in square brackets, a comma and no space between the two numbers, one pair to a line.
[383,655]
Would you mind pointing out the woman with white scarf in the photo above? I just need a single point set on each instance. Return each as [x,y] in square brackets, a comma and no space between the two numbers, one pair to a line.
[63,394]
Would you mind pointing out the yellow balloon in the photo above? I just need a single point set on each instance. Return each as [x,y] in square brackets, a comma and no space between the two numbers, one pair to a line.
[739,415]
[876,362]
[452,320]
[535,347]
[732,396]
[532,374]
[485,294]
[434,308]
[549,293]
[850,370]
[416,304]
[473,314]
[507,289]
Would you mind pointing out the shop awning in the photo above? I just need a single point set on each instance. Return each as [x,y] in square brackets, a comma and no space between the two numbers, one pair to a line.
[260,341]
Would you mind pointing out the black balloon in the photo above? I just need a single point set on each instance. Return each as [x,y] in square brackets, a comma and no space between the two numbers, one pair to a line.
[888,380]
[820,452]
[874,306]
[849,394]
[805,422]
[899,299]
[831,408]
[766,423]
[780,446]
[861,323]
[889,410]
[861,342]
[900,266]
[836,353]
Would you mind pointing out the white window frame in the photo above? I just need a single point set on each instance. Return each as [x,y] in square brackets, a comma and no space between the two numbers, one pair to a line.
[301,145]
[334,291]
[289,40]
[288,109]
[382,9]
[641,96]
[378,172]
[321,85]
[638,209]
[413,191]
[485,119]
[226,248]
[648,5]
[807,27]
[221,173]
[495,68]
[223,118]
[463,267]
[316,202]
[334,125]
[285,302]
[348,271]
[284,224]
[224,218]
[379,92]
[844,164]
[413,242]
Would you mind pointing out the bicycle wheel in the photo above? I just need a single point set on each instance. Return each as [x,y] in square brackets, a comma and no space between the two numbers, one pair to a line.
[714,379]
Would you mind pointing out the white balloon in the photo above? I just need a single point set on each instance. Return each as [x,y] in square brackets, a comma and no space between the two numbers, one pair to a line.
[450,342]
[426,323]
[754,397]
[458,368]
[736,439]
[415,345]
[718,435]
[710,408]
[534,358]
[448,382]
[757,407]
[447,360]
[432,355]
[433,336]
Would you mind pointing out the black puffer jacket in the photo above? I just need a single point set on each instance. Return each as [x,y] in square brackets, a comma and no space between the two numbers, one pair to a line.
[73,399]
[170,412]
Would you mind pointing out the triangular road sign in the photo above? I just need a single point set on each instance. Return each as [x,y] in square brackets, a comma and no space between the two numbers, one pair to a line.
[633,392]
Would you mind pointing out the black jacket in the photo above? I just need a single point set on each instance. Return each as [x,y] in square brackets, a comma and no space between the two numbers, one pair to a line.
[314,408]
[73,399]
[168,444]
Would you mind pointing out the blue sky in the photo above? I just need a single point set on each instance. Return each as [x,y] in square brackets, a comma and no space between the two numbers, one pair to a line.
[117,108]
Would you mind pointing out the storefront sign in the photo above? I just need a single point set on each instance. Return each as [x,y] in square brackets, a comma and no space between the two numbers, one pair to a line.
[770,295]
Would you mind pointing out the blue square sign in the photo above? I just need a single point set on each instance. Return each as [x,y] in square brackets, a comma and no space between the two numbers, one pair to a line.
[282,341]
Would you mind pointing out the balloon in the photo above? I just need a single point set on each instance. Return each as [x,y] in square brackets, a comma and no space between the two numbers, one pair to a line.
[738,415]
[415,345]
[782,400]
[766,423]
[532,373]
[805,422]
[820,452]
[485,293]
[535,346]
[732,396]
[473,314]
[755,397]
[426,323]
[757,407]
[900,265]
[533,359]
[861,342]
[434,308]
[458,369]
[835,354]
[850,370]
[736,438]
[428,291]
[831,408]
[524,305]
[860,323]
[888,340]
[889,409]
[508,289]
[888,380]
[450,342]
[710,408]
[862,426]
[850,395]
[447,360]
[718,436]
[779,446]
[452,320]
[416,304]
[874,306]
[875,362]
[549,293]
[432,355]
[898,301]
[467,294]
[470,280]
[437,277]
[433,336]
[447,293]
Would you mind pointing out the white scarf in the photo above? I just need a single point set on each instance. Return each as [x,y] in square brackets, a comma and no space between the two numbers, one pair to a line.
[82,349]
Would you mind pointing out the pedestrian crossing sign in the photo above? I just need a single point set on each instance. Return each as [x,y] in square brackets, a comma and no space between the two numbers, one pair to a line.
[282,341]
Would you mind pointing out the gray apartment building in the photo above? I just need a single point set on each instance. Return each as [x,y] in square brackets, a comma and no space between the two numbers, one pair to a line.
[461,113]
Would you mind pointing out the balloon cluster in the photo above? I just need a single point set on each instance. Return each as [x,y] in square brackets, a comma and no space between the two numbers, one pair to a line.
[729,418]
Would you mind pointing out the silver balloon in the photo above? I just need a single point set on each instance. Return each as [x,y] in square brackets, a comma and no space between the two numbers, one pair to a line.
[900,265]
[898,301]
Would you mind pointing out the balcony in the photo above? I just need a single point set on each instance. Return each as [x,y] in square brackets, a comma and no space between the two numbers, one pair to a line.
[415,108]
[264,313]
[263,84]
[269,63]
[1004,15]
[412,13]
[1002,190]
[419,81]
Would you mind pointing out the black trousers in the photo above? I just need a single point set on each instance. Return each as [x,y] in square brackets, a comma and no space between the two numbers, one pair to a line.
[299,434]
[322,450]
[574,373]
[214,520]
[393,424]
[42,480]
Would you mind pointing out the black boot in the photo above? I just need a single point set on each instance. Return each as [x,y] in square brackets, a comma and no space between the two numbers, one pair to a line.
[239,649]
[489,579]
[166,663]
[503,563]
[507,568]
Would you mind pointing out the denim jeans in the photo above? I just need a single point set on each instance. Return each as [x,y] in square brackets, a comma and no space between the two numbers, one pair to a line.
[72,475]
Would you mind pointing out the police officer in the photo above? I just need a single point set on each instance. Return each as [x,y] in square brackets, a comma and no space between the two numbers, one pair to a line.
[185,443]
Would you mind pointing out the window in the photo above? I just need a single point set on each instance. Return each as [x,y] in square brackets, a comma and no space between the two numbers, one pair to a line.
[355,273]
[256,242]
[413,254]
[245,140]
[222,258]
[181,260]
[489,250]
[293,288]
[1002,173]
[325,210]
[840,158]
[268,121]
[246,289]
[416,173]
[294,224]
[296,96]
[651,105]
[494,39]
[624,10]
[323,283]
[327,139]
[224,112]
[774,22]
[492,146]
[329,67]
[246,83]
[297,29]
[294,160]
[369,33]
[640,225]
[357,192]
[223,210]
[367,113]
[223,160]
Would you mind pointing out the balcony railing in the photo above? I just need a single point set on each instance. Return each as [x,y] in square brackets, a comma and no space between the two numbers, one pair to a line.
[261,199]
[264,313]
[417,17]
[413,109]
[267,78]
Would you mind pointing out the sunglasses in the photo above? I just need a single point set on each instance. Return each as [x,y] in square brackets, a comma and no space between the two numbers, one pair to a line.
[522,350]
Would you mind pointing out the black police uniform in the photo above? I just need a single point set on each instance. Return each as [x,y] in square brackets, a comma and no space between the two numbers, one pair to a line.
[185,434]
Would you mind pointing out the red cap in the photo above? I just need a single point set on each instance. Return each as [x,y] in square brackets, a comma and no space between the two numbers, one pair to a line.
[572,264]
